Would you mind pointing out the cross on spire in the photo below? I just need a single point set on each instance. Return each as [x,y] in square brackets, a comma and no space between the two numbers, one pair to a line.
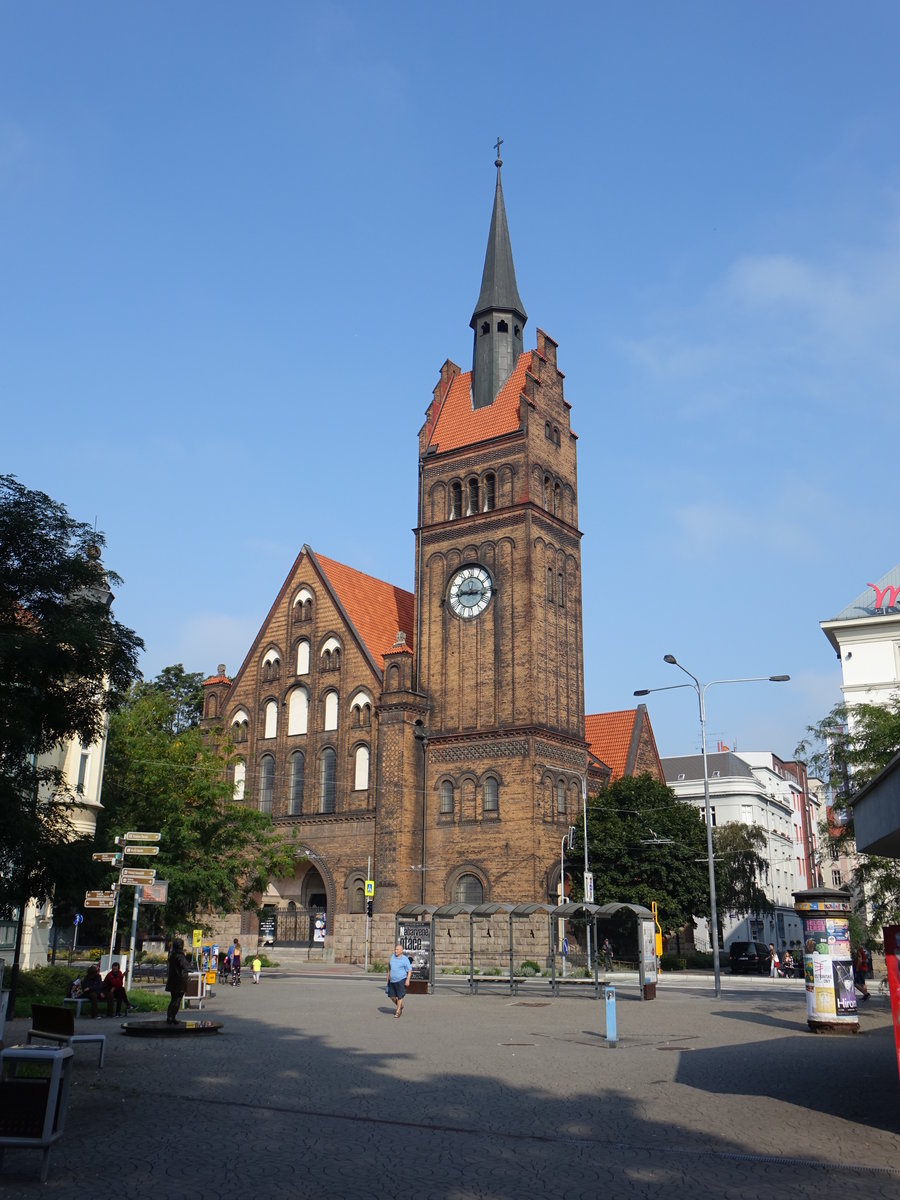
[499,162]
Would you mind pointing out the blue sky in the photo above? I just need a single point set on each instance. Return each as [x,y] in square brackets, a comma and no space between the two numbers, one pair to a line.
[238,241]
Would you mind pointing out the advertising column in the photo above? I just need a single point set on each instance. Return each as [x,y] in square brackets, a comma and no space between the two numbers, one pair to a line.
[827,961]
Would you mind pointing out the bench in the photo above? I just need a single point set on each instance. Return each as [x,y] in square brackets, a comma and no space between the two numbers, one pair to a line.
[76,1002]
[52,1024]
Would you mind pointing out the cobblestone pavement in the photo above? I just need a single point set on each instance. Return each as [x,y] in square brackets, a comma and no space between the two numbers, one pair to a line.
[313,1089]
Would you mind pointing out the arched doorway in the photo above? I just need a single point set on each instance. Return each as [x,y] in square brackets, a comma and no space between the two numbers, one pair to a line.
[298,904]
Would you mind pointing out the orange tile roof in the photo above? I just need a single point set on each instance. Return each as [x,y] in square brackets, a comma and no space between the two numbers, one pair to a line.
[375,608]
[609,737]
[215,679]
[458,424]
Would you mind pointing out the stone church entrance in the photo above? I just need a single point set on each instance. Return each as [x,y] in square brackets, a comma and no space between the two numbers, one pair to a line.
[294,910]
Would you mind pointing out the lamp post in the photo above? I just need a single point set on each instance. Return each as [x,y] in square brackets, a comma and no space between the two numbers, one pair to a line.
[701,690]
[420,733]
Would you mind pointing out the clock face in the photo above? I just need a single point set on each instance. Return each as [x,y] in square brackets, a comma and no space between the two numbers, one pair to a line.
[470,592]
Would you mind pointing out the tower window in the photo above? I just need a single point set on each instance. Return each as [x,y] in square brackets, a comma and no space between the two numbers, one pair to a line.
[547,431]
[491,799]
[557,501]
[556,435]
[502,327]
[485,328]
[560,590]
[561,797]
[515,331]
[472,496]
[446,797]
[455,501]
[490,491]
[549,583]
[327,779]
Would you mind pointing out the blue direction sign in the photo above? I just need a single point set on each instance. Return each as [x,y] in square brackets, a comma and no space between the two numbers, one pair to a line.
[565,946]
[77,919]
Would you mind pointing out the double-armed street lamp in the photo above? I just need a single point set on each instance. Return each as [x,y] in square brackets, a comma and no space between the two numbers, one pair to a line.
[701,689]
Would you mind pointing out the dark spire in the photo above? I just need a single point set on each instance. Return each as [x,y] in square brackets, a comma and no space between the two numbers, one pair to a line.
[499,315]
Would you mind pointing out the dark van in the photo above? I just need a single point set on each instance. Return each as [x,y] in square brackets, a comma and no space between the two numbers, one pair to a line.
[749,958]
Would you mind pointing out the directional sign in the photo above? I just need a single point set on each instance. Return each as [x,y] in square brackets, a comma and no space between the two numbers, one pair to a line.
[589,886]
[141,849]
[370,888]
[143,837]
[108,856]
[131,877]
[108,892]
[90,902]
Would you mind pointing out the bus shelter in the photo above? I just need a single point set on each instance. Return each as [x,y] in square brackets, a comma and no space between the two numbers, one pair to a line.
[595,914]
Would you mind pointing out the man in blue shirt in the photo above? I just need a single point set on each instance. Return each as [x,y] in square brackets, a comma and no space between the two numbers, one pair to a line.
[399,975]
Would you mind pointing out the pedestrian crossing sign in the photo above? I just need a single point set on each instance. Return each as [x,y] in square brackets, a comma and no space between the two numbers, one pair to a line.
[370,888]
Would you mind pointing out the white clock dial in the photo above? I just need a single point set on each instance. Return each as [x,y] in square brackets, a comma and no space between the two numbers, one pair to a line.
[470,592]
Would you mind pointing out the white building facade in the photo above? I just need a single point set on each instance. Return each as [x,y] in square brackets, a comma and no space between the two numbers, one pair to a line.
[758,788]
[866,638]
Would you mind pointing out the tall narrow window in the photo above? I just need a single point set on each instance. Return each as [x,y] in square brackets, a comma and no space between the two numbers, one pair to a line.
[266,783]
[298,711]
[490,493]
[303,657]
[446,797]
[547,499]
[331,710]
[560,590]
[455,501]
[298,765]
[361,769]
[557,501]
[560,797]
[549,583]
[84,763]
[327,780]
[471,496]
[240,779]
[271,726]
[490,801]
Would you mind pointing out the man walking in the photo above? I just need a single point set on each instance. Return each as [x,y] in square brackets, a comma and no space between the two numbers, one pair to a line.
[399,975]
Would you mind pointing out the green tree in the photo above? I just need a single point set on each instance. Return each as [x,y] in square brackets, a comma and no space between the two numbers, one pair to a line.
[847,749]
[644,845]
[741,869]
[161,776]
[64,664]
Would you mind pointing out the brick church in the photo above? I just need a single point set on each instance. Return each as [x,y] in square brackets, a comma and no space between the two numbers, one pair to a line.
[438,735]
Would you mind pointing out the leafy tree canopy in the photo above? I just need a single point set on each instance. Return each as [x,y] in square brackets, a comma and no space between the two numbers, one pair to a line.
[64,663]
[847,749]
[741,869]
[644,845]
[161,776]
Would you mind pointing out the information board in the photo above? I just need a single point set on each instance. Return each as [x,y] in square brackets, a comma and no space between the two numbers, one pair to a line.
[415,938]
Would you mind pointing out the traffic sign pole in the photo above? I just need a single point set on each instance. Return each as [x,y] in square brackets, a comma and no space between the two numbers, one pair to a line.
[368,918]
[134,921]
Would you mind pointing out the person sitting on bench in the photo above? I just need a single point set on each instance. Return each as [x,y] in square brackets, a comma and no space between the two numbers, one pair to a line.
[114,986]
[92,988]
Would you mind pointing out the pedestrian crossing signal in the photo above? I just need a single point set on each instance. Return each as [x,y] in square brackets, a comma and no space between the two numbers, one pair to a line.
[368,908]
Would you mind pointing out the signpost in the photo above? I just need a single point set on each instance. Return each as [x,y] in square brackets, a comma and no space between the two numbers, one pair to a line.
[132,876]
[138,878]
[100,899]
[113,857]
[141,849]
[140,837]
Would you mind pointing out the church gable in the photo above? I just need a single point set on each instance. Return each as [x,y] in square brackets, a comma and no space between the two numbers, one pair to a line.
[624,742]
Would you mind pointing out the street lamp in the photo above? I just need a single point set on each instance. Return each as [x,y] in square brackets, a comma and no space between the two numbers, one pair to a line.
[420,733]
[701,689]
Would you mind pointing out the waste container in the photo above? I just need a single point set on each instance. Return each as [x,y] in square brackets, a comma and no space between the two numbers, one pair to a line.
[34,1094]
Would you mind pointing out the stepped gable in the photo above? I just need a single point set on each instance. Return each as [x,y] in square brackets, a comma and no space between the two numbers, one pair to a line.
[459,424]
[624,742]
[377,610]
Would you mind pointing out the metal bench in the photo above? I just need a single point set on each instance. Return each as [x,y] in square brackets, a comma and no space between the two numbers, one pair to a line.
[76,1002]
[52,1024]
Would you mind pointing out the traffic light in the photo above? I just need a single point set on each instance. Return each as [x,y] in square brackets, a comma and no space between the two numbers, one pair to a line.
[368,908]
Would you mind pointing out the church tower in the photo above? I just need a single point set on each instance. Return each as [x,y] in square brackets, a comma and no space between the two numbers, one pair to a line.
[493,712]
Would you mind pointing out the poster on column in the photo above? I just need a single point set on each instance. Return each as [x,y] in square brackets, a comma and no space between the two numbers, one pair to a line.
[891,934]
[828,967]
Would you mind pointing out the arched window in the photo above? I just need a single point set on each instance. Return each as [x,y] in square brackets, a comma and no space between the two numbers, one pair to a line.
[240,779]
[240,726]
[502,327]
[560,590]
[331,710]
[549,583]
[547,430]
[471,496]
[271,665]
[446,797]
[561,797]
[556,435]
[212,705]
[298,711]
[361,769]
[298,765]
[365,716]
[393,678]
[545,498]
[455,500]
[271,725]
[303,605]
[490,801]
[469,890]
[557,500]
[266,783]
[327,779]
[303,657]
[488,499]
[357,899]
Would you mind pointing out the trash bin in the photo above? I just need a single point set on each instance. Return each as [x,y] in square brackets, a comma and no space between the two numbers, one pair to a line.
[34,1095]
